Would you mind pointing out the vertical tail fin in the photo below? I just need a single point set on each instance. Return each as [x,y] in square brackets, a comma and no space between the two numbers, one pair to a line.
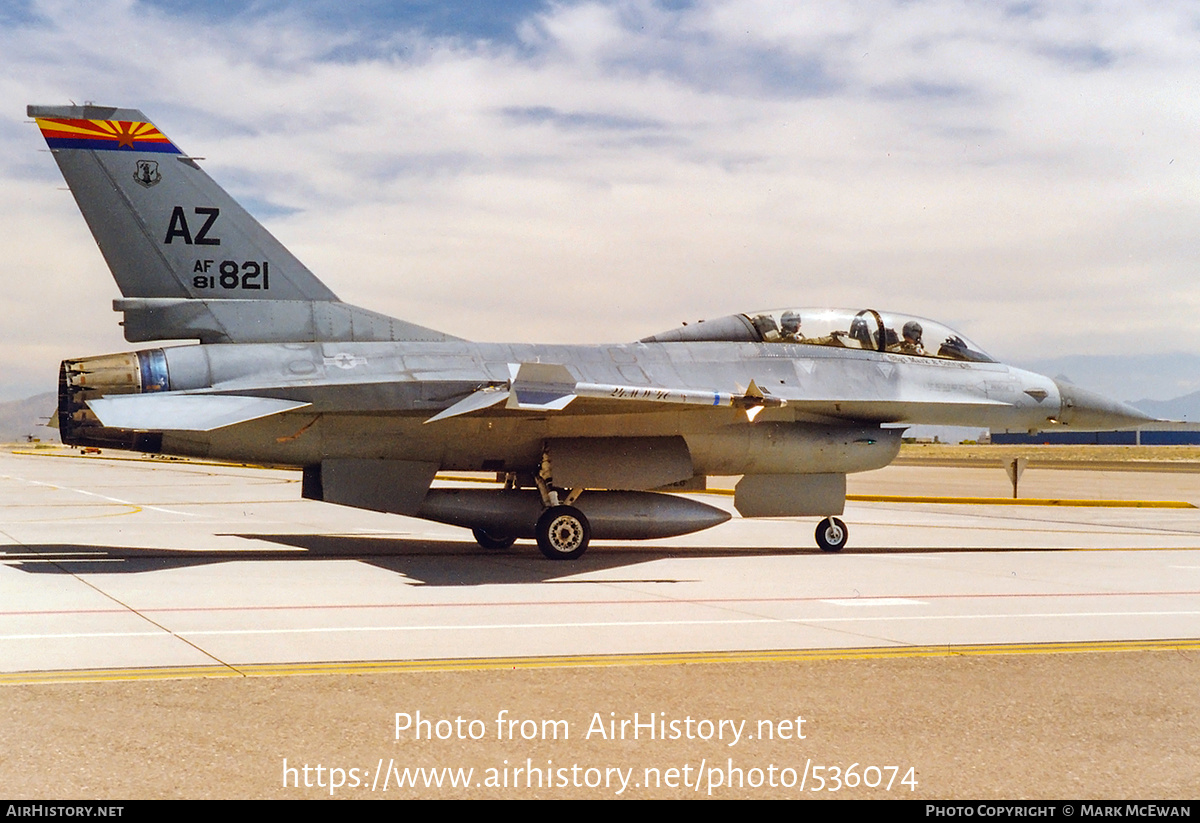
[164,227]
[191,262]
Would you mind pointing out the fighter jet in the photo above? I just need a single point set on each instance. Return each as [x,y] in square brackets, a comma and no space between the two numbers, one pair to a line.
[589,441]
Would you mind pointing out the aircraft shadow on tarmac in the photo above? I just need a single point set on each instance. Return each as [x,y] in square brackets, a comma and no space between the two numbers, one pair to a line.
[421,562]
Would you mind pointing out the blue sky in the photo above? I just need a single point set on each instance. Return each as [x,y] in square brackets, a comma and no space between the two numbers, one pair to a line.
[492,21]
[598,171]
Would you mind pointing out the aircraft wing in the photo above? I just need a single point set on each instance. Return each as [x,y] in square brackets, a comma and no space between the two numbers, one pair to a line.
[550,387]
[544,387]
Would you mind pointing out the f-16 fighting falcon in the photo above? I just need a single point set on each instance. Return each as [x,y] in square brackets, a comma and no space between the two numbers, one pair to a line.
[585,438]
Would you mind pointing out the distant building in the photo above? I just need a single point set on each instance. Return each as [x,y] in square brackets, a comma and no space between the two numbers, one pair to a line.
[1174,436]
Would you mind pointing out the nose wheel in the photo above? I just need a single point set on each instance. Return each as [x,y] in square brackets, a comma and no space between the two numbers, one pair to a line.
[563,533]
[832,534]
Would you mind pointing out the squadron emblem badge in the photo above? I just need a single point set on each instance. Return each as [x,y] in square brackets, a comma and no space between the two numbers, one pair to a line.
[146,173]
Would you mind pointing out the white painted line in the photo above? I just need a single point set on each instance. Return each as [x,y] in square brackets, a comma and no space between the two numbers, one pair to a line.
[603,625]
[875,601]
[101,496]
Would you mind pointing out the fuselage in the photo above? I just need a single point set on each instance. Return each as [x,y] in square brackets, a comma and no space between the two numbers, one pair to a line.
[845,409]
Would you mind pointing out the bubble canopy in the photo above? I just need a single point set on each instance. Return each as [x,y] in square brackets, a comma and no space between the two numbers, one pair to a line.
[864,329]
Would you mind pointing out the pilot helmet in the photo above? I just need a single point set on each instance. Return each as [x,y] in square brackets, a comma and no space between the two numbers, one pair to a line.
[912,331]
[860,330]
[789,323]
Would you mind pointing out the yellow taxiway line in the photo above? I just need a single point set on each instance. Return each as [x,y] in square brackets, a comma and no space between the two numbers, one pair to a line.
[1020,501]
[854,498]
[590,661]
[967,501]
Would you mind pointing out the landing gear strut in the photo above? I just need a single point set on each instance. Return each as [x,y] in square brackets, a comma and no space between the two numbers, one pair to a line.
[832,534]
[562,530]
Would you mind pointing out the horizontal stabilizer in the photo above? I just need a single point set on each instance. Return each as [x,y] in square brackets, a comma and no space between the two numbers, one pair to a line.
[184,412]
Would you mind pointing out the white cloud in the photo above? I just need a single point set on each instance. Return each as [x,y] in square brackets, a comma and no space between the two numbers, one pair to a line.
[1025,171]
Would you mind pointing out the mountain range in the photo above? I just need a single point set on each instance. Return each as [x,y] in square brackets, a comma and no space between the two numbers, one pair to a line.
[20,419]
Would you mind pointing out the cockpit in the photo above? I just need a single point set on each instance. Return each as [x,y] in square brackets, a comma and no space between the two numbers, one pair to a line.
[865,329]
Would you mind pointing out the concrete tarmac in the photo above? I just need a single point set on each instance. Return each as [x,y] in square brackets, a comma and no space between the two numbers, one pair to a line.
[142,569]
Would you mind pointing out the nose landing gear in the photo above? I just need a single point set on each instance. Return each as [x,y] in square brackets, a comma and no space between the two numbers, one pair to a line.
[832,534]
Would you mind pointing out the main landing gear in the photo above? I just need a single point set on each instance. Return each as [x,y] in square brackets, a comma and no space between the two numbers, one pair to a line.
[493,541]
[562,530]
[832,534]
[563,533]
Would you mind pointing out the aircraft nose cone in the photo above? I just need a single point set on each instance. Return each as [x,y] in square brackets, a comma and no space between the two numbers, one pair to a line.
[1083,409]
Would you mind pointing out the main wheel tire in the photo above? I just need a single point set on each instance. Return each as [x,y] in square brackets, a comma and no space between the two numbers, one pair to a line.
[832,534]
[489,541]
[563,533]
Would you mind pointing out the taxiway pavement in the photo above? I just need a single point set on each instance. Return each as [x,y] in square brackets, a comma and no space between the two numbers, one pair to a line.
[115,564]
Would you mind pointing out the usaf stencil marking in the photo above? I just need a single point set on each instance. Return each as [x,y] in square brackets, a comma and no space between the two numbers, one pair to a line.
[232,275]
